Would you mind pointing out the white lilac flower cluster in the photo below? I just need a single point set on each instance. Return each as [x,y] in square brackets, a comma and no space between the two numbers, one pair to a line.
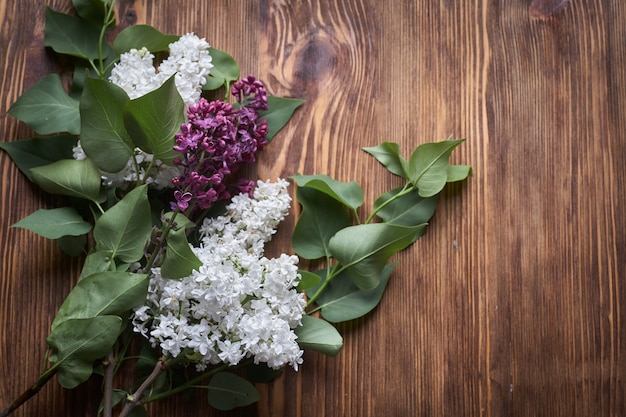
[238,304]
[189,62]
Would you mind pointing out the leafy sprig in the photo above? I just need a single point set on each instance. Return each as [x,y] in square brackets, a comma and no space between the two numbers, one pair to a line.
[130,225]
[92,322]
[356,254]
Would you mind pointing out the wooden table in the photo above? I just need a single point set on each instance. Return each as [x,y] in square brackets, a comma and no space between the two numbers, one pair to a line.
[512,304]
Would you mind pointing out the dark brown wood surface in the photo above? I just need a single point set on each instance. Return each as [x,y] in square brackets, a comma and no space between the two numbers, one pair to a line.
[512,304]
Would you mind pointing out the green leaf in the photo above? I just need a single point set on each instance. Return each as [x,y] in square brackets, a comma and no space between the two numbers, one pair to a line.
[97,261]
[77,343]
[103,135]
[79,76]
[179,260]
[225,70]
[262,374]
[322,216]
[35,152]
[349,194]
[428,166]
[55,223]
[342,300]
[388,154]
[319,335]
[278,114]
[458,172]
[71,35]
[125,228]
[407,210]
[146,361]
[152,120]
[142,36]
[101,294]
[307,280]
[46,108]
[228,391]
[69,177]
[93,11]
[366,248]
[72,245]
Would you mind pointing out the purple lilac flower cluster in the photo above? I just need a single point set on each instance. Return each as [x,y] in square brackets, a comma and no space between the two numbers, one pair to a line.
[214,141]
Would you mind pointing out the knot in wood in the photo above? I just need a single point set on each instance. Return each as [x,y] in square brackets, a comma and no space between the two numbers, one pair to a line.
[315,62]
[130,16]
[546,9]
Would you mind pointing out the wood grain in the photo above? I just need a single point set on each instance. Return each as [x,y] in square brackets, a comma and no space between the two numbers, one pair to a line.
[512,304]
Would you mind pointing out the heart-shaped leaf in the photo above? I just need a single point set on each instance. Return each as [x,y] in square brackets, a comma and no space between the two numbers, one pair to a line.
[35,152]
[124,229]
[409,209]
[97,261]
[103,293]
[180,261]
[342,300]
[225,70]
[322,216]
[228,391]
[71,35]
[388,154]
[69,177]
[278,114]
[153,119]
[319,335]
[103,134]
[47,109]
[458,172]
[347,193]
[55,223]
[72,245]
[428,166]
[308,280]
[93,11]
[77,343]
[365,249]
[142,36]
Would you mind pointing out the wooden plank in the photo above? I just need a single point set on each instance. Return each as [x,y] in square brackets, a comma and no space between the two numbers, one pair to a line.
[513,302]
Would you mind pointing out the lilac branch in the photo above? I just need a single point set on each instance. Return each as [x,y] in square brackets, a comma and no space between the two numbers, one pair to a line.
[109,372]
[30,392]
[134,399]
